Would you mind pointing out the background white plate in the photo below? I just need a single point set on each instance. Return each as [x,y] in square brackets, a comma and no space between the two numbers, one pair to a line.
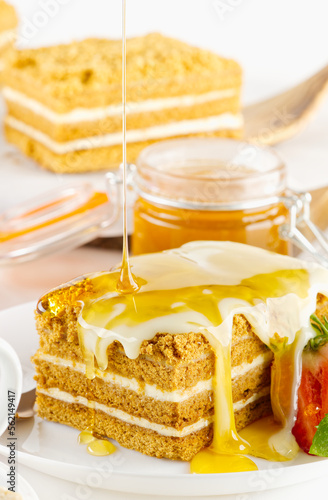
[52,448]
[23,486]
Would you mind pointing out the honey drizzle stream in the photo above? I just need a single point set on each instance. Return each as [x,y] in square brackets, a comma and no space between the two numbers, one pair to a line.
[126,283]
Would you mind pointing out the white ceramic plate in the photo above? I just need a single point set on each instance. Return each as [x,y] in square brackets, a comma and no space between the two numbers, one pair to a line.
[52,448]
[23,486]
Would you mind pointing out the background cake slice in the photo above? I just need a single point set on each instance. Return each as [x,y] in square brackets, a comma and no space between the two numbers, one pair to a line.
[64,102]
[8,25]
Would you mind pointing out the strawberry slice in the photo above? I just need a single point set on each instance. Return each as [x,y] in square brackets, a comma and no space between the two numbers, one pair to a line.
[313,389]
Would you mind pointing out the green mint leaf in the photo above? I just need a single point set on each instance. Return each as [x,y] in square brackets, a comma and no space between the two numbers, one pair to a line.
[320,441]
[322,336]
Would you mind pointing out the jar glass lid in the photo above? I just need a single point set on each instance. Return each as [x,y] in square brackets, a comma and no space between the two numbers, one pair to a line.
[210,171]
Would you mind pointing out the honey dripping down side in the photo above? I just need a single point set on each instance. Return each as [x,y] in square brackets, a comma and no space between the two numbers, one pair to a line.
[199,288]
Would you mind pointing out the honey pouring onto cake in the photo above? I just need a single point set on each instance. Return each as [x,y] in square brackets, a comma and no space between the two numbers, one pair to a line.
[170,354]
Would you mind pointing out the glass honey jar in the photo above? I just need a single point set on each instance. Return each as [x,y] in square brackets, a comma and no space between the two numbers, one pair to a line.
[209,189]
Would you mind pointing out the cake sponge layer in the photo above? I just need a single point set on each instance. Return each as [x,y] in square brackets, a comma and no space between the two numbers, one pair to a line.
[140,439]
[169,362]
[88,73]
[63,132]
[190,407]
[87,160]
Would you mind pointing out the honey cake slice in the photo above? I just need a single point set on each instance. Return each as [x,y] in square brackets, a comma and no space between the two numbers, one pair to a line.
[104,361]
[160,404]
[64,102]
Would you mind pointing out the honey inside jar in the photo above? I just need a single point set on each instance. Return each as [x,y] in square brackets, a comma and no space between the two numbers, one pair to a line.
[208,189]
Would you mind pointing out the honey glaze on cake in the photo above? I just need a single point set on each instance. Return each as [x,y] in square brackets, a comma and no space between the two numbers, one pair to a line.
[199,288]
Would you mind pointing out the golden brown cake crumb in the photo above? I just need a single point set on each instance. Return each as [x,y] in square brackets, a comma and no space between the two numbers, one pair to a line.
[89,73]
[64,102]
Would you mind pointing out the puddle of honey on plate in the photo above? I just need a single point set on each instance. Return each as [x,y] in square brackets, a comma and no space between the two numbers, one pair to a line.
[101,448]
[86,437]
[95,446]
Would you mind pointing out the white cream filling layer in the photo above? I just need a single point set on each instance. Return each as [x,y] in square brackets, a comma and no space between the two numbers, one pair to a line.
[241,370]
[125,417]
[152,391]
[90,114]
[239,405]
[224,121]
[164,430]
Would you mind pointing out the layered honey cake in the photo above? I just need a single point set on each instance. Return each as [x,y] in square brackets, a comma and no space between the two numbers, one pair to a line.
[65,104]
[147,369]
[8,25]
[161,403]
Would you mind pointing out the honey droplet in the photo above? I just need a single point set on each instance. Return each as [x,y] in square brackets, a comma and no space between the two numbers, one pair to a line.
[209,462]
[101,448]
[311,409]
[86,437]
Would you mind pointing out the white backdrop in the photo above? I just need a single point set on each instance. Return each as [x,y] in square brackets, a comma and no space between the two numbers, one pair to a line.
[281,40]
